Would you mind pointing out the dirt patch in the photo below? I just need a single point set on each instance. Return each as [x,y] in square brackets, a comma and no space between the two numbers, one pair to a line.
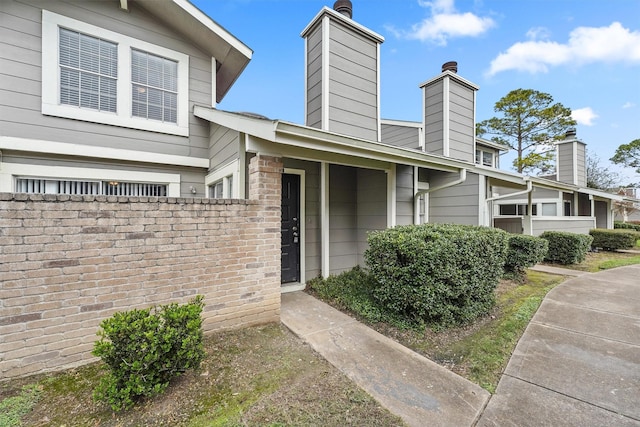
[251,377]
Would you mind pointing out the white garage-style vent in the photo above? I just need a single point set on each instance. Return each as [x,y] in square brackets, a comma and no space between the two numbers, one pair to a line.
[73,187]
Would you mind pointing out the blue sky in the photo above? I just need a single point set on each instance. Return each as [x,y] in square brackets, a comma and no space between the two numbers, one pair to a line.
[585,53]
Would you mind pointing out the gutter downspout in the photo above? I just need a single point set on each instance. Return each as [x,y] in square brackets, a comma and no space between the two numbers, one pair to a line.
[462,178]
[517,193]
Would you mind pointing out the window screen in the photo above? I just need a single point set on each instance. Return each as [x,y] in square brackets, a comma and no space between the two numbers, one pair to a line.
[88,71]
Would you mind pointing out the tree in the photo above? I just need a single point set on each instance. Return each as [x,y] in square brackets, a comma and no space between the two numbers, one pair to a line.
[600,177]
[628,155]
[530,123]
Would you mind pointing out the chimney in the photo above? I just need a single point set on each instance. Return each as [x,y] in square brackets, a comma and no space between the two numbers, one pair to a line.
[344,7]
[449,111]
[571,160]
[450,66]
[342,74]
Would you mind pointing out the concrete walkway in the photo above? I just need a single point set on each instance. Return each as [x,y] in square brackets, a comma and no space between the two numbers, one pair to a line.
[578,363]
[420,391]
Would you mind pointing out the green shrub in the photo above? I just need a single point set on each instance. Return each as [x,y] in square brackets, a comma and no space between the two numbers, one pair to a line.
[566,248]
[524,252]
[145,349]
[626,225]
[612,240]
[351,290]
[436,274]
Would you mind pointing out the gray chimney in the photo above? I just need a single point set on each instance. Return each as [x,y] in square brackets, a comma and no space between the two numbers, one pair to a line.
[344,7]
[571,160]
[449,112]
[342,74]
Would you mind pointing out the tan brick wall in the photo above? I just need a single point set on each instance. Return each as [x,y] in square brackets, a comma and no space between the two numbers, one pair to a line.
[68,262]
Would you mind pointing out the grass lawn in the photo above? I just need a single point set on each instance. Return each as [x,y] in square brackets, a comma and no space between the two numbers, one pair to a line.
[258,376]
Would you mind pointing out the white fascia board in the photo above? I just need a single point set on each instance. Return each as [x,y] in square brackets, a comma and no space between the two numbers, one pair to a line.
[68,149]
[315,139]
[345,20]
[214,27]
[603,194]
[553,185]
[262,128]
[454,76]
[403,123]
[486,143]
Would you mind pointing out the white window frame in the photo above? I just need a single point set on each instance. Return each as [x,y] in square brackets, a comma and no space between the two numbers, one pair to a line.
[10,171]
[481,152]
[224,174]
[51,22]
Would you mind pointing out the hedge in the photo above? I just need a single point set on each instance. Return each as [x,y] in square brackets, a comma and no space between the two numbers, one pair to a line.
[437,274]
[626,225]
[566,248]
[523,252]
[612,240]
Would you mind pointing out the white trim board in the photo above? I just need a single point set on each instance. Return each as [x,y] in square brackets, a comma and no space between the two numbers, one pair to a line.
[8,171]
[68,149]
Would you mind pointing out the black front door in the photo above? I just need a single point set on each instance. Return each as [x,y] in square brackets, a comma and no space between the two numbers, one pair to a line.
[290,228]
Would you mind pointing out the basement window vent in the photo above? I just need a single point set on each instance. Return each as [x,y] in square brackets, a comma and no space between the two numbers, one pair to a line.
[72,187]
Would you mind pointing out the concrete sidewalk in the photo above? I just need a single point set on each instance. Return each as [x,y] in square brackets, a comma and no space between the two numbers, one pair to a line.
[411,386]
[578,362]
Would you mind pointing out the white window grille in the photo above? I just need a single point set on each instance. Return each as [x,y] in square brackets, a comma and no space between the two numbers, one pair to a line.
[155,87]
[88,71]
[73,187]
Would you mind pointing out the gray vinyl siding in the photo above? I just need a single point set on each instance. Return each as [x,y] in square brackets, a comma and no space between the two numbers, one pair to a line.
[581,166]
[401,136]
[538,193]
[404,195]
[224,146]
[372,206]
[461,125]
[312,214]
[571,225]
[189,177]
[458,204]
[314,79]
[352,84]
[601,214]
[343,221]
[434,118]
[565,163]
[20,78]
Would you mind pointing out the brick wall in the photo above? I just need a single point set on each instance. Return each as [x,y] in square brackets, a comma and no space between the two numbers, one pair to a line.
[68,262]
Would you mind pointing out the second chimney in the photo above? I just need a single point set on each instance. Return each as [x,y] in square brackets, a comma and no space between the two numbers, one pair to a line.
[450,66]
[344,7]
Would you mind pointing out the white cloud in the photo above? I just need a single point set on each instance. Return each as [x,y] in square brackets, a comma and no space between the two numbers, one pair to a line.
[445,23]
[628,104]
[584,116]
[585,45]
[538,33]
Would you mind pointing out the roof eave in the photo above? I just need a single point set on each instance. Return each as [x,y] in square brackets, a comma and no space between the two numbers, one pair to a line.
[208,35]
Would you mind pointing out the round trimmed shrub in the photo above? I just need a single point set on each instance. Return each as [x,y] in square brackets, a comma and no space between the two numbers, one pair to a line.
[438,274]
[524,252]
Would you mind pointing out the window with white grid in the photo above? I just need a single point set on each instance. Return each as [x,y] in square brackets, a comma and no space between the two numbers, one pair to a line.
[154,87]
[88,71]
[93,74]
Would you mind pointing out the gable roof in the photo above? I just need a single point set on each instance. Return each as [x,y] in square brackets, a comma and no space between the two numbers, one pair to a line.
[232,56]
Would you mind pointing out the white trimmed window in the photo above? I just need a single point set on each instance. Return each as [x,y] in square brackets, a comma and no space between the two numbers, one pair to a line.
[25,178]
[96,75]
[76,187]
[222,184]
[484,157]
